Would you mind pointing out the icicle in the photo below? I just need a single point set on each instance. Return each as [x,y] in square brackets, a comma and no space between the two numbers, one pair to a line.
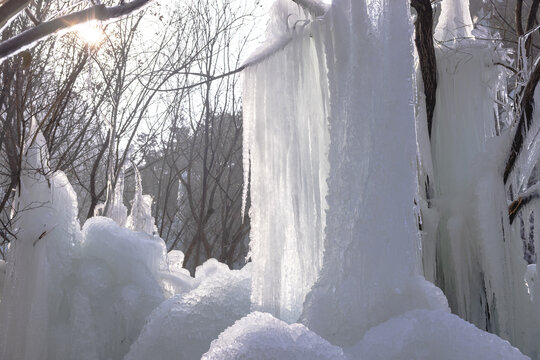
[140,218]
[285,145]
[117,210]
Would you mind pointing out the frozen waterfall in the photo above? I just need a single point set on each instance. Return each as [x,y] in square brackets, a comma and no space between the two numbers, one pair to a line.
[371,269]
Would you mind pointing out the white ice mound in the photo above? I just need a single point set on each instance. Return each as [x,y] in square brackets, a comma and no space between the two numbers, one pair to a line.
[184,326]
[114,287]
[414,293]
[427,335]
[260,336]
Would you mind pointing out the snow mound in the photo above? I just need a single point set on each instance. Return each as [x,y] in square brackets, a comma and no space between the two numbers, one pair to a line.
[184,326]
[425,334]
[263,337]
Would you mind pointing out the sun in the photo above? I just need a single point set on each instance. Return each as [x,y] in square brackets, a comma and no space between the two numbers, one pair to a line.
[91,33]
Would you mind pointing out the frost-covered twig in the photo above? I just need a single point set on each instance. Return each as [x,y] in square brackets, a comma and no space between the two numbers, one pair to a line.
[98,12]
[525,120]
[9,9]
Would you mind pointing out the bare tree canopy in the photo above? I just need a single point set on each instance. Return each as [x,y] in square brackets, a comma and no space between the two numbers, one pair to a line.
[10,8]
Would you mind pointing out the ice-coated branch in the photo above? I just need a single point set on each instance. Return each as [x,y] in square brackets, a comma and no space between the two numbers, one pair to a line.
[97,12]
[518,204]
[525,120]
[518,16]
[426,54]
[9,9]
[312,6]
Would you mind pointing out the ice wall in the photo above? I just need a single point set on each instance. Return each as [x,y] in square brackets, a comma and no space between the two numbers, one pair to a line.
[286,140]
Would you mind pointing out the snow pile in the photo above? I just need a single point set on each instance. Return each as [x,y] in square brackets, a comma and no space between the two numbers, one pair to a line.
[426,335]
[285,145]
[260,336]
[184,326]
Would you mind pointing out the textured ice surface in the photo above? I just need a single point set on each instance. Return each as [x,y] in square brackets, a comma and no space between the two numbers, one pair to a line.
[372,177]
[184,326]
[114,287]
[285,144]
[427,335]
[454,21]
[39,259]
[140,217]
[260,336]
[479,267]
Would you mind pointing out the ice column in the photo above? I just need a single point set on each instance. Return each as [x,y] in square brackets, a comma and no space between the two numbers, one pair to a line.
[371,258]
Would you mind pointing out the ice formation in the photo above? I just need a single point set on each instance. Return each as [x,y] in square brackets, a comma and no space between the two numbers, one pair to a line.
[184,326]
[369,178]
[140,217]
[426,335]
[454,21]
[72,294]
[117,210]
[286,140]
[370,189]
[40,258]
[260,336]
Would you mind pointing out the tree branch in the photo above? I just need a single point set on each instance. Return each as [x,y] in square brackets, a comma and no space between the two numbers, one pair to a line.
[9,9]
[41,31]
[518,13]
[426,54]
[518,204]
[525,120]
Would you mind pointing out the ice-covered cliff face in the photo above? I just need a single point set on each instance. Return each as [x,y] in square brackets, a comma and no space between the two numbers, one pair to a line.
[371,252]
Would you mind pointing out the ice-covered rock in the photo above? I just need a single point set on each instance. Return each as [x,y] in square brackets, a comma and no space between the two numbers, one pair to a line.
[184,326]
[260,336]
[426,335]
